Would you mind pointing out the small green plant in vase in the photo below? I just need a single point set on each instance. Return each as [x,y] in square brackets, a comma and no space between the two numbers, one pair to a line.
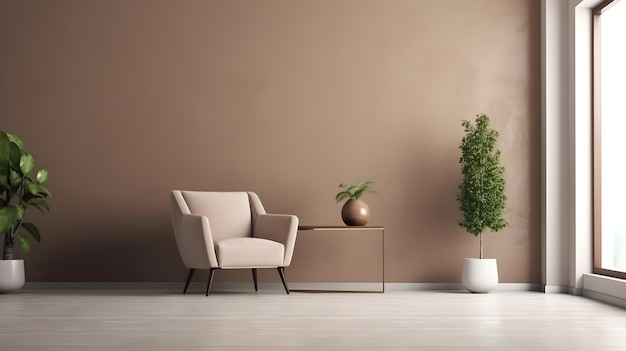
[355,211]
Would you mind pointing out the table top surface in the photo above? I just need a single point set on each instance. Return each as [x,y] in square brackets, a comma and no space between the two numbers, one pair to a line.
[339,227]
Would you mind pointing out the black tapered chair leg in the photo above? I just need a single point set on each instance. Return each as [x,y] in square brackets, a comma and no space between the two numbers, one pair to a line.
[281,272]
[208,285]
[191,270]
[256,287]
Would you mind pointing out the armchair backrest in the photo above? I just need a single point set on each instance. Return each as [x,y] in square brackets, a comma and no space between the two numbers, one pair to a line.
[228,213]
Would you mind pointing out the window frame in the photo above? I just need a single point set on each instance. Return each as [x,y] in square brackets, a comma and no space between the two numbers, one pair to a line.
[597,151]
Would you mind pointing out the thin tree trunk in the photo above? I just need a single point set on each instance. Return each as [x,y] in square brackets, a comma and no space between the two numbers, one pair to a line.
[481,246]
[7,253]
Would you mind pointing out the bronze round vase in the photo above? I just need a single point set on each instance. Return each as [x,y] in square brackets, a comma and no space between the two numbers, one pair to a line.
[355,212]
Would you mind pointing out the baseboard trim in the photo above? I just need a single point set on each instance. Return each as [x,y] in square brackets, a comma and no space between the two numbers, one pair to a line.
[518,287]
[555,289]
[198,286]
[104,285]
[244,286]
[575,291]
[459,286]
[322,286]
[423,286]
[612,300]
[605,289]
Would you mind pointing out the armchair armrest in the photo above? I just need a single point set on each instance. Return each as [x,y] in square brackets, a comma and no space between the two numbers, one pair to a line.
[278,227]
[196,242]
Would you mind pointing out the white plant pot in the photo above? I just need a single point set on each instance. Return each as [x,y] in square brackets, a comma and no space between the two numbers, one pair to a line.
[11,275]
[480,275]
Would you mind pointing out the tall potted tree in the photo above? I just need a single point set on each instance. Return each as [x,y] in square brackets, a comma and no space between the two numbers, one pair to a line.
[18,192]
[481,198]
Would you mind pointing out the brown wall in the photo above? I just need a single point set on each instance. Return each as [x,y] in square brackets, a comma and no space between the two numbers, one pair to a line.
[125,100]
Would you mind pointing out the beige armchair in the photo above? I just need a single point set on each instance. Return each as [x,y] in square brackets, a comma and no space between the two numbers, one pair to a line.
[230,230]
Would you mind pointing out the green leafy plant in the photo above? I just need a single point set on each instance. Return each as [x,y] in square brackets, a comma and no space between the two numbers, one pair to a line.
[19,192]
[355,191]
[481,192]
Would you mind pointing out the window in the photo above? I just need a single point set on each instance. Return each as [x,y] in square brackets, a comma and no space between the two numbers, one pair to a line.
[609,62]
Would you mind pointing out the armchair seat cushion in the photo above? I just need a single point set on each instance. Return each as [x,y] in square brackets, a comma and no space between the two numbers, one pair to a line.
[249,253]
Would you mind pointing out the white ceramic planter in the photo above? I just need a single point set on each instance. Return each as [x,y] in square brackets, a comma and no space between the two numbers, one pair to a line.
[11,275]
[480,275]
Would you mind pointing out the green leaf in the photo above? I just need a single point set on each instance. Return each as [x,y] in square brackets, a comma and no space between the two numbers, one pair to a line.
[33,188]
[32,229]
[24,243]
[4,177]
[16,179]
[27,163]
[16,140]
[20,210]
[342,196]
[15,156]
[42,176]
[37,190]
[363,184]
[5,148]
[8,217]
[43,191]
[40,204]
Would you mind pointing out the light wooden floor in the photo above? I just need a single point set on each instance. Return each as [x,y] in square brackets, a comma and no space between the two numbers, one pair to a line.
[396,320]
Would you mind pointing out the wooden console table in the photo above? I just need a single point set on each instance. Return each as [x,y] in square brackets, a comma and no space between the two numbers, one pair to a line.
[336,257]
